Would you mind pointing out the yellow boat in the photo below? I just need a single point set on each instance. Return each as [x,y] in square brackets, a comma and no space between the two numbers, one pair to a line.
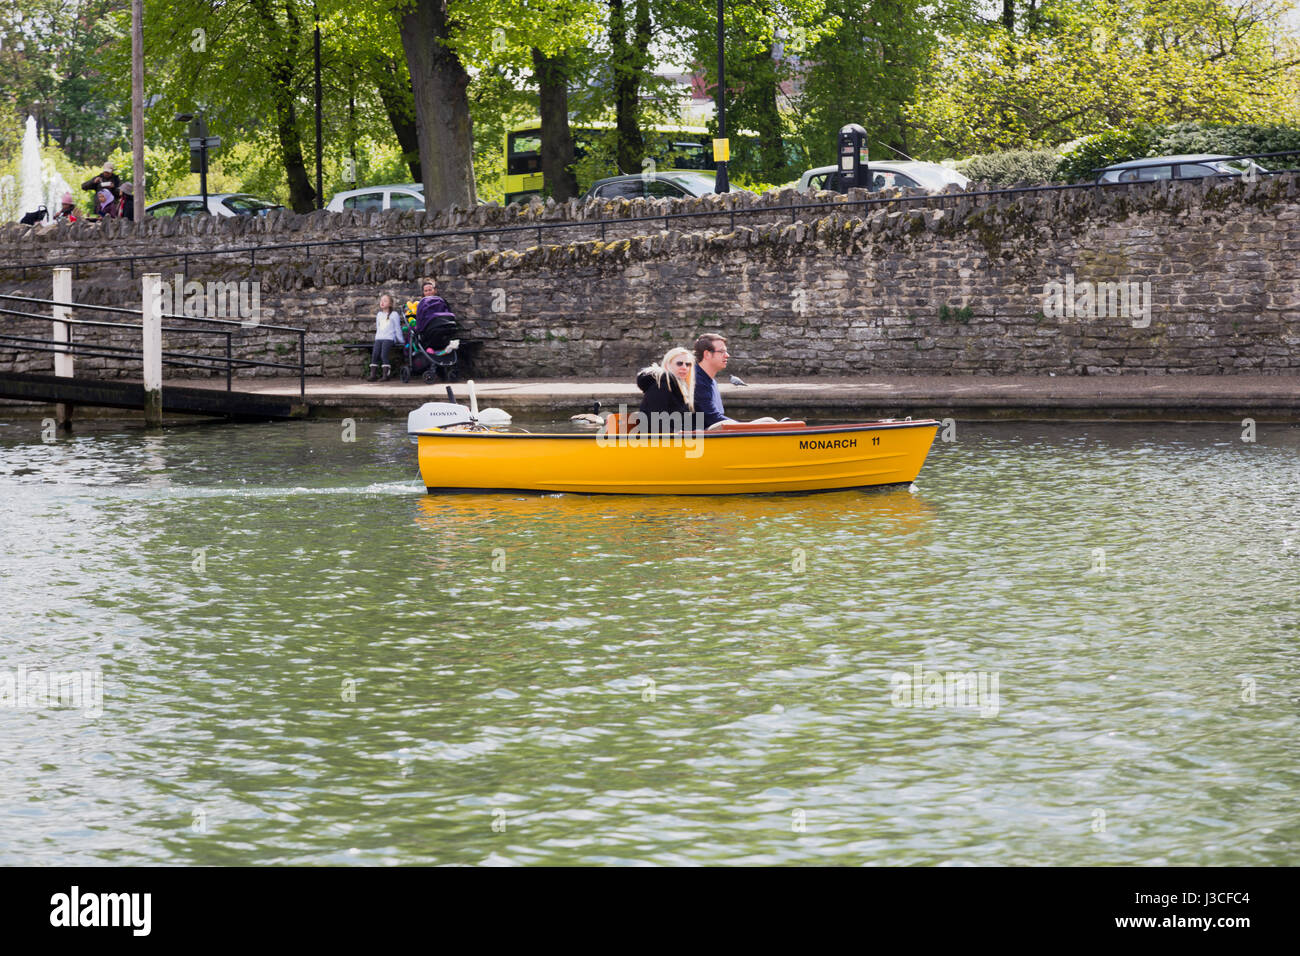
[731,459]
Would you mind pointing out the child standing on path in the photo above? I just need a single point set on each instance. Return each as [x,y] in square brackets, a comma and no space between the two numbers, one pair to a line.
[388,329]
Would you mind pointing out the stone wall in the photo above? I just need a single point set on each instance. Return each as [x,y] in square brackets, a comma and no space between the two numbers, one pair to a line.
[953,284]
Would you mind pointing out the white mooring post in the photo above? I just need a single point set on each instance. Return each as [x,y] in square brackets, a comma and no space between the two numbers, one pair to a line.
[151,319]
[62,357]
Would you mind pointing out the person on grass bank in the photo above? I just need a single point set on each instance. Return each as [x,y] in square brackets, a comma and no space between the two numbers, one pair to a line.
[107,179]
[669,393]
[388,330]
[125,207]
[68,212]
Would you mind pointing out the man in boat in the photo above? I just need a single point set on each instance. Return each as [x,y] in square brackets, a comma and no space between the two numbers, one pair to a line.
[710,359]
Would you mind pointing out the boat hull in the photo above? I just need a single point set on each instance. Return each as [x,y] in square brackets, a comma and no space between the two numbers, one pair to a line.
[774,460]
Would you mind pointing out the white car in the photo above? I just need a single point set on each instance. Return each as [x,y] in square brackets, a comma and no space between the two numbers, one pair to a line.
[908,174]
[219,204]
[379,198]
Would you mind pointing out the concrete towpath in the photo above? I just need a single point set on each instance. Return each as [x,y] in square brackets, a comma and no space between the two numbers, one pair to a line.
[969,398]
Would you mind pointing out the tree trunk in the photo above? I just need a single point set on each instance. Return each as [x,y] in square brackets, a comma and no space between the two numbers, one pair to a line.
[438,84]
[628,59]
[552,76]
[393,81]
[767,117]
[284,44]
[1009,15]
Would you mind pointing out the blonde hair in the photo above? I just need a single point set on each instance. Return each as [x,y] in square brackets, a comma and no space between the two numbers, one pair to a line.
[666,368]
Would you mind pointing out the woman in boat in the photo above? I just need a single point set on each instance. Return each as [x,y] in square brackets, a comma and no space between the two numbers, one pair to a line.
[669,398]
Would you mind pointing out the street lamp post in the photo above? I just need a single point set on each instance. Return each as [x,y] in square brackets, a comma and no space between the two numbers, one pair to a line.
[200,142]
[137,110]
[320,200]
[720,184]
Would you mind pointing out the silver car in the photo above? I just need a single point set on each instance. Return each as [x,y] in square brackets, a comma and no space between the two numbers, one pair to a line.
[887,174]
[1187,166]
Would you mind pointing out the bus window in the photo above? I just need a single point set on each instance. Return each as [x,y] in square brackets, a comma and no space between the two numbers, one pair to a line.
[524,152]
[689,156]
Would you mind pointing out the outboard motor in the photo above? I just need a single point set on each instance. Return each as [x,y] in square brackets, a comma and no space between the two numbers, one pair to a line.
[436,415]
[448,413]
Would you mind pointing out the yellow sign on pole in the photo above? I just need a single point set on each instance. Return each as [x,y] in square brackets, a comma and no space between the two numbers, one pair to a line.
[722,150]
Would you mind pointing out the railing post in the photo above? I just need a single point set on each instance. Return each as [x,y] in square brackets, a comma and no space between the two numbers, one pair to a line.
[151,320]
[228,361]
[63,361]
[302,365]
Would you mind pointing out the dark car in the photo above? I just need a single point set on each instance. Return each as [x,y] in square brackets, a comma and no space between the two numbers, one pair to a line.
[668,184]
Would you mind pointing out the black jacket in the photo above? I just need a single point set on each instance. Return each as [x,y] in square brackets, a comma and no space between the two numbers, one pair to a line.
[665,396]
[100,180]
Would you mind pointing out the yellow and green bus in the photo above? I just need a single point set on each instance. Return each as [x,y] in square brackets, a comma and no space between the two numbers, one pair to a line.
[671,147]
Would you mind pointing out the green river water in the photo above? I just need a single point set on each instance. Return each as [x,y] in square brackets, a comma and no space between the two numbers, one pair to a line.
[307,660]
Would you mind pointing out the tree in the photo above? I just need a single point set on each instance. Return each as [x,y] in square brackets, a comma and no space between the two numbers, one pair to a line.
[369,54]
[52,54]
[766,43]
[552,73]
[439,83]
[1075,68]
[283,35]
[866,68]
[629,39]
[248,67]
[542,44]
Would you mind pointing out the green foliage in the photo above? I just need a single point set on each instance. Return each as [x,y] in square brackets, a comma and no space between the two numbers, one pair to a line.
[865,67]
[764,44]
[1012,166]
[1112,146]
[929,78]
[751,183]
[52,58]
[1143,141]
[1080,67]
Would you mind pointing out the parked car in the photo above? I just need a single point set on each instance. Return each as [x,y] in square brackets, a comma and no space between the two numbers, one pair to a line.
[379,198]
[908,174]
[219,204]
[666,184]
[1188,166]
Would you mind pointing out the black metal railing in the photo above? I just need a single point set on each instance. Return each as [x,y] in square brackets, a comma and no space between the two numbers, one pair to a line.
[172,358]
[941,200]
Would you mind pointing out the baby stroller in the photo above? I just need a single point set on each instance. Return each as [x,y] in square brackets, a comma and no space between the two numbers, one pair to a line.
[432,348]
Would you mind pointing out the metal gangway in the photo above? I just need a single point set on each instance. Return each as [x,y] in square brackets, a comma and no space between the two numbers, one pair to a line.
[68,339]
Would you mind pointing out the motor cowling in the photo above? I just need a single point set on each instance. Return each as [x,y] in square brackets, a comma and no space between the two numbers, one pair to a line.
[436,415]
